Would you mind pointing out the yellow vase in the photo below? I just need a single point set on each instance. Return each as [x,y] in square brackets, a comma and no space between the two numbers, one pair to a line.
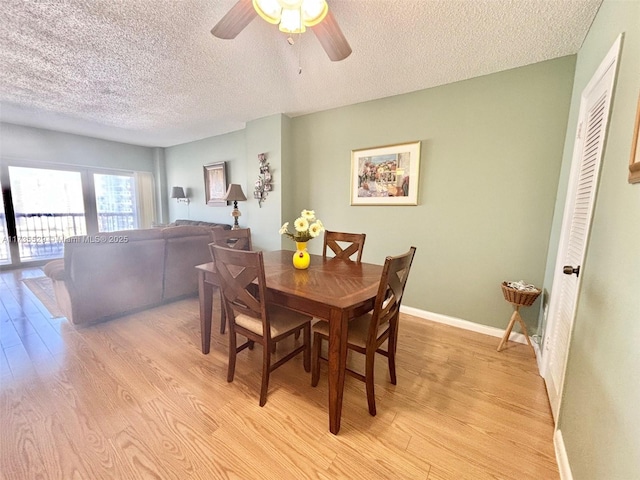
[301,258]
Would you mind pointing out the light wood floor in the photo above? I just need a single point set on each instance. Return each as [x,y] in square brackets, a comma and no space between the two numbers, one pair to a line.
[135,398]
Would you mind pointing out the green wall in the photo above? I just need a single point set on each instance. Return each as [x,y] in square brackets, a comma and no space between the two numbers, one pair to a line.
[599,416]
[266,135]
[491,156]
[240,149]
[490,162]
[184,167]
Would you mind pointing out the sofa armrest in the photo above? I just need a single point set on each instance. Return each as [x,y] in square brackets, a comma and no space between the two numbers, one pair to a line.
[55,270]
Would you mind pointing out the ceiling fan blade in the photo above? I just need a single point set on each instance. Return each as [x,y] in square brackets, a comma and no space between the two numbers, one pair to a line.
[235,20]
[331,38]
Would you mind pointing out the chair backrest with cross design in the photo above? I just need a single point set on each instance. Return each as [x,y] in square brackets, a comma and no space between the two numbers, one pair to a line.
[239,239]
[344,245]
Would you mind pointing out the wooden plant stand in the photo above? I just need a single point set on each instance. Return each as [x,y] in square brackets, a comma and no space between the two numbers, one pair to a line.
[517,299]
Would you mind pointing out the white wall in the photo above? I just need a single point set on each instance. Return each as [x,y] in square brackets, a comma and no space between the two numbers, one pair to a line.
[18,143]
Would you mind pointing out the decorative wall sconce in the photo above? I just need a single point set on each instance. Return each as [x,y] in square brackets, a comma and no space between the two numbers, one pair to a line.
[263,183]
[178,194]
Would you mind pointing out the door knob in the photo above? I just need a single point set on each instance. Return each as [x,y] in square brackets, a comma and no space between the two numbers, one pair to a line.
[569,270]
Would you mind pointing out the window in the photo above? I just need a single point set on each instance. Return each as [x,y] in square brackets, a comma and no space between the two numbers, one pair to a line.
[51,204]
[115,202]
[48,208]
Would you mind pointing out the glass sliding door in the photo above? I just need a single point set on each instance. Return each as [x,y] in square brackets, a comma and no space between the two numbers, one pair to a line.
[48,207]
[115,202]
[43,205]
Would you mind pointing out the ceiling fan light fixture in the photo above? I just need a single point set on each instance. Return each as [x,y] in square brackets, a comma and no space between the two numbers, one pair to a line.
[291,4]
[291,21]
[292,15]
[314,11]
[269,10]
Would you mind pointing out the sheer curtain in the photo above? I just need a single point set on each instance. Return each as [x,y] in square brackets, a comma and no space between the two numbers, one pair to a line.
[145,198]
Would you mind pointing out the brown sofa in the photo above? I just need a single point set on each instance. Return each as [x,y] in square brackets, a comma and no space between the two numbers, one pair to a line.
[115,273]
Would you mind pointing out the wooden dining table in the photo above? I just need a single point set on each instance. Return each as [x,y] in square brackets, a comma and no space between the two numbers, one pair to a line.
[332,290]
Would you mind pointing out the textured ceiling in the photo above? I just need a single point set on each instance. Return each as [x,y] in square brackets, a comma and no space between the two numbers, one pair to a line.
[148,72]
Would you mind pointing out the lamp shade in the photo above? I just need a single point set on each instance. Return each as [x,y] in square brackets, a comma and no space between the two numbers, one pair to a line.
[178,192]
[235,193]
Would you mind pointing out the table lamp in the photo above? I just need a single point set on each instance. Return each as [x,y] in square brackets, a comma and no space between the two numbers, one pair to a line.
[235,195]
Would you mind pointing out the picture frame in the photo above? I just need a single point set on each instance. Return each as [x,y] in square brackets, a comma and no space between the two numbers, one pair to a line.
[387,175]
[215,184]
[634,159]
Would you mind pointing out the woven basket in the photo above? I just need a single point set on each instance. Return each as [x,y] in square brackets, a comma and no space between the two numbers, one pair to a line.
[519,297]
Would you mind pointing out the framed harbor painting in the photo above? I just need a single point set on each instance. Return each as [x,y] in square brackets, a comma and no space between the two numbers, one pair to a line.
[385,175]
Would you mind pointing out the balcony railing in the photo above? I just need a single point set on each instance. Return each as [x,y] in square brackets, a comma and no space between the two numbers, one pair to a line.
[114,221]
[41,235]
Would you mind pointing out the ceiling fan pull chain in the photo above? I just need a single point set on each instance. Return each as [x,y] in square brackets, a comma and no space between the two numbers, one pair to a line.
[299,54]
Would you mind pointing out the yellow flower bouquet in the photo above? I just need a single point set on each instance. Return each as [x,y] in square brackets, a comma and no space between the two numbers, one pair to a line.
[306,226]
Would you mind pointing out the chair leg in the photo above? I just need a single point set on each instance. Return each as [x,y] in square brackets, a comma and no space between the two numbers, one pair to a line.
[392,367]
[391,354]
[223,314]
[371,396]
[266,370]
[307,347]
[315,359]
[232,356]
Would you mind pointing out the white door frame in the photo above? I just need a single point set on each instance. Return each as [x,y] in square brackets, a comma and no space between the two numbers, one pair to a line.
[606,72]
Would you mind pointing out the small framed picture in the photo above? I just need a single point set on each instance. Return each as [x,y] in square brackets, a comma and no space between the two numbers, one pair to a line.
[215,184]
[634,160]
[385,175]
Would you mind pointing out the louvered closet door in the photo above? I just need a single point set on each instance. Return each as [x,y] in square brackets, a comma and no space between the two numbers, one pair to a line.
[578,213]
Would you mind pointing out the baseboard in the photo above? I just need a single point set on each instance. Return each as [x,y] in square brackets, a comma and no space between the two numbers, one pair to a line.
[561,456]
[473,327]
[464,324]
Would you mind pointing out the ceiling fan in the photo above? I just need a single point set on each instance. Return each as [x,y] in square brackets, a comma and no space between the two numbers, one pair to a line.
[293,16]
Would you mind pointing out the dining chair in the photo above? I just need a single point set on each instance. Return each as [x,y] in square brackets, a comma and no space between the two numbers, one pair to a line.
[368,332]
[242,280]
[239,239]
[353,243]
